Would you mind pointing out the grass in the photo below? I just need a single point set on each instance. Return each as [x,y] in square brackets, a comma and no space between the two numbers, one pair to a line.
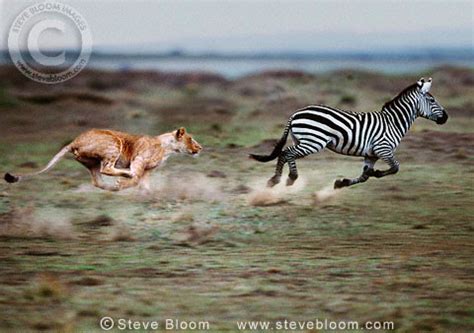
[6,100]
[393,249]
[357,255]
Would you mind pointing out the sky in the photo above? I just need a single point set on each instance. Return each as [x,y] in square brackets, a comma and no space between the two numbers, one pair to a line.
[263,25]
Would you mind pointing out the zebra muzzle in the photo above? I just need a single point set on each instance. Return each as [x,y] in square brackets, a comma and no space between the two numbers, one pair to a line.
[443,119]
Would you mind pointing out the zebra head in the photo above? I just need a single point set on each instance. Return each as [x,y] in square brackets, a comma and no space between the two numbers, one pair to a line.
[428,107]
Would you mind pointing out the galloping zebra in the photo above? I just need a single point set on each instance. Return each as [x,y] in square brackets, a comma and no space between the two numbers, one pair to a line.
[374,135]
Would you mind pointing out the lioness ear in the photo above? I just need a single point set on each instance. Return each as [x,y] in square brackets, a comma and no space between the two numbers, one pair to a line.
[180,132]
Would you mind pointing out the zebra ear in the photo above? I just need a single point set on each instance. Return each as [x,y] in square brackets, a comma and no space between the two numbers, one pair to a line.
[420,82]
[427,86]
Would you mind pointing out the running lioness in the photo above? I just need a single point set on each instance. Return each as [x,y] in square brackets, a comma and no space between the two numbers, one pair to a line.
[130,157]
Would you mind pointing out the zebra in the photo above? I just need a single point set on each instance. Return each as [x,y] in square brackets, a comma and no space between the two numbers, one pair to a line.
[372,135]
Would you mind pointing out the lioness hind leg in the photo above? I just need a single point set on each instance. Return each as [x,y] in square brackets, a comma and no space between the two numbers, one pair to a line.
[88,162]
[97,180]
[106,162]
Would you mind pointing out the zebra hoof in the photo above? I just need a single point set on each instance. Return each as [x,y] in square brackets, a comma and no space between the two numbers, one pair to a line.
[273,181]
[340,183]
[290,181]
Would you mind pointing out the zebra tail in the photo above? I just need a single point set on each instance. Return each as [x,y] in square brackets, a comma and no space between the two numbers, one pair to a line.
[278,147]
[9,178]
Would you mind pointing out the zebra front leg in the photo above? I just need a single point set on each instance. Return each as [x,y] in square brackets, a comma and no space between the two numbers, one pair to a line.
[394,167]
[366,171]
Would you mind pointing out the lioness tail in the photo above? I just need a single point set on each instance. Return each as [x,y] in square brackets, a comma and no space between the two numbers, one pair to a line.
[9,178]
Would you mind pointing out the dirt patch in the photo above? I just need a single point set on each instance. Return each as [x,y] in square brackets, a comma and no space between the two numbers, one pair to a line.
[265,146]
[70,117]
[121,232]
[109,80]
[373,81]
[441,147]
[454,76]
[466,110]
[75,96]
[89,281]
[280,74]
[214,111]
[195,234]
[216,174]
[47,285]
[99,222]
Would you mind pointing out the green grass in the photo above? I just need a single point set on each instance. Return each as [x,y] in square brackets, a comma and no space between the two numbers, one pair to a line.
[370,252]
[393,249]
[6,99]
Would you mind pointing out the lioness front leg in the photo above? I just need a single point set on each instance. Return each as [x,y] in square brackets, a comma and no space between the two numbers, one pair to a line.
[145,183]
[137,171]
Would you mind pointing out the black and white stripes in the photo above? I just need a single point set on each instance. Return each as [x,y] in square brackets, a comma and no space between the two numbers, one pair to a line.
[374,135]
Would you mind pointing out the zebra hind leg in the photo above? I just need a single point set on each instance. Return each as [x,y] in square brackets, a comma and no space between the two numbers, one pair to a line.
[293,175]
[289,155]
[293,153]
[367,171]
[278,171]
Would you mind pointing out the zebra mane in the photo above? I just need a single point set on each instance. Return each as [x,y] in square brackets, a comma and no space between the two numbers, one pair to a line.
[405,91]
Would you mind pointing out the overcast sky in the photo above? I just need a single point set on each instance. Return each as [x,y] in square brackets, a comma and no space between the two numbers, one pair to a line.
[266,25]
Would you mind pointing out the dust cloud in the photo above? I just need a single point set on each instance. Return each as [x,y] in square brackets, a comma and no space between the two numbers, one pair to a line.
[29,223]
[327,193]
[191,186]
[268,196]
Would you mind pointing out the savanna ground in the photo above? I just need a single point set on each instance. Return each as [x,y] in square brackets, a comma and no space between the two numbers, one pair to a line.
[210,243]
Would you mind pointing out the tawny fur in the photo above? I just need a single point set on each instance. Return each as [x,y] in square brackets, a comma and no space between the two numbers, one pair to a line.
[118,154]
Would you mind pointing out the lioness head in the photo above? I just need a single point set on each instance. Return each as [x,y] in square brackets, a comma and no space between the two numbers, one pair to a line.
[186,143]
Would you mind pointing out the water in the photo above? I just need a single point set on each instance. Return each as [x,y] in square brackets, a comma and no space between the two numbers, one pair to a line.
[237,67]
[234,68]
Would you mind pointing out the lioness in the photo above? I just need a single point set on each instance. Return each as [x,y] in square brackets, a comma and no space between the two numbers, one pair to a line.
[118,154]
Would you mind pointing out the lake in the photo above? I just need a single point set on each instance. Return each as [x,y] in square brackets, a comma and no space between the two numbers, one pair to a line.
[234,68]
